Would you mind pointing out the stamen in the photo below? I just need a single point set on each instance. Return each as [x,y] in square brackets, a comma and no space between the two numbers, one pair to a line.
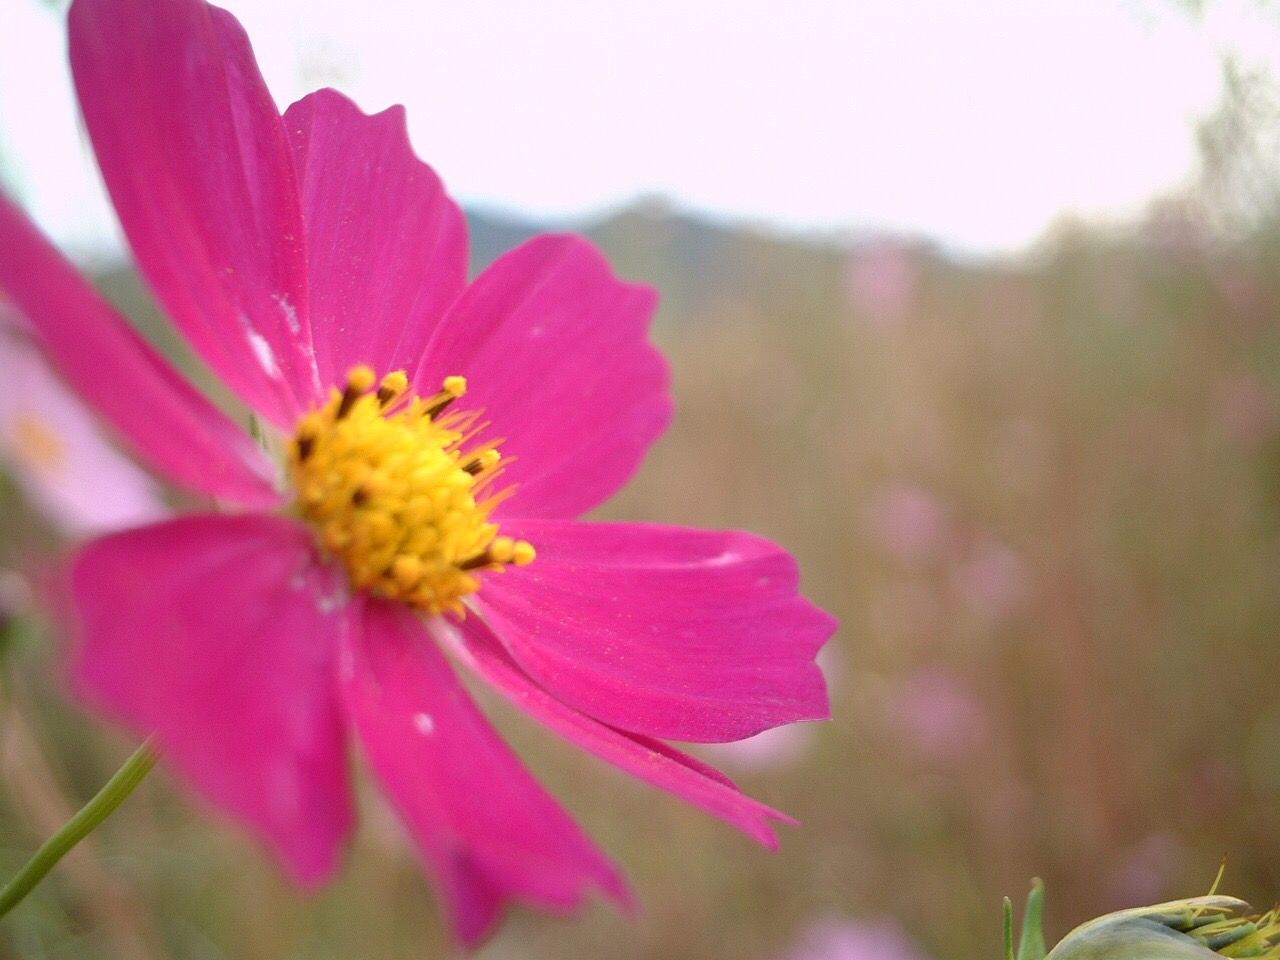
[359,382]
[503,550]
[476,562]
[38,443]
[450,390]
[400,493]
[485,461]
[393,387]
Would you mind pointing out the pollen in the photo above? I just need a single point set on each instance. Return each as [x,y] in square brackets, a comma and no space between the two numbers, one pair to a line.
[399,490]
[37,444]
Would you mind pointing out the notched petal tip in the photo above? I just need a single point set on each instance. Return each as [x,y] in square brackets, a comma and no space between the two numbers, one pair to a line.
[193,153]
[647,759]
[669,632]
[386,244]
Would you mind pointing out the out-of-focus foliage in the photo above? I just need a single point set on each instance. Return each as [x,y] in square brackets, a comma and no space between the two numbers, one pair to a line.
[1240,151]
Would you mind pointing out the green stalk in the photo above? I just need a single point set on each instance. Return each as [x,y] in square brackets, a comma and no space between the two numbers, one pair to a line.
[89,817]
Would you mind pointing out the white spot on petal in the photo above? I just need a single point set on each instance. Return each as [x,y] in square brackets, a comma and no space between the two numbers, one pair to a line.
[423,723]
[290,314]
[726,559]
[327,604]
[264,354]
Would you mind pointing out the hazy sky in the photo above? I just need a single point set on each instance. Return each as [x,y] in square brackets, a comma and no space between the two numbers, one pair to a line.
[975,123]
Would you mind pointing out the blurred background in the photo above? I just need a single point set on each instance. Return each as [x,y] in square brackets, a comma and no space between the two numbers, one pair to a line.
[976,310]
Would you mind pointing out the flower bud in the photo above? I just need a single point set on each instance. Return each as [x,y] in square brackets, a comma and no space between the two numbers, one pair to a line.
[1201,927]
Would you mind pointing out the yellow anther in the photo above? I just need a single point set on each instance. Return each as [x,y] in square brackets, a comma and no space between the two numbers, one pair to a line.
[407,570]
[505,550]
[37,443]
[502,550]
[392,494]
[450,390]
[392,388]
[310,425]
[486,460]
[362,378]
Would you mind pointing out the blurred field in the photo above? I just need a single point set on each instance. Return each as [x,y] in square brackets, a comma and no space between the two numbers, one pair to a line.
[1043,497]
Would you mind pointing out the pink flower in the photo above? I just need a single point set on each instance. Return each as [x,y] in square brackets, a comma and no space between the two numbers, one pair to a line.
[908,522]
[938,716]
[299,254]
[1144,870]
[771,750]
[57,453]
[993,579]
[882,279]
[840,939]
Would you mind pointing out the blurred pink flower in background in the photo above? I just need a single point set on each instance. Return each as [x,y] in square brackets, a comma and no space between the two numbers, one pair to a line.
[881,280]
[782,746]
[908,522]
[992,579]
[299,255]
[1144,871]
[771,750]
[937,716]
[1214,787]
[837,938]
[54,448]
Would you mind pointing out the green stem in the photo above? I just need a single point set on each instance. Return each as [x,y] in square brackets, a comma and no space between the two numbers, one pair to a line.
[89,817]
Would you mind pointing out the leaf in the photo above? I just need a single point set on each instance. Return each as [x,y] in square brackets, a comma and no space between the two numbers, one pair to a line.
[1031,942]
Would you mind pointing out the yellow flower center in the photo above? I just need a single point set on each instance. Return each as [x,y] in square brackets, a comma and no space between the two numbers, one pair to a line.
[38,445]
[397,489]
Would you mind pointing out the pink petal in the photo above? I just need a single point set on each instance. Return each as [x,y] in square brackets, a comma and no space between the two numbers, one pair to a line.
[387,248]
[555,351]
[486,828]
[664,631]
[195,157]
[56,450]
[170,426]
[649,760]
[217,634]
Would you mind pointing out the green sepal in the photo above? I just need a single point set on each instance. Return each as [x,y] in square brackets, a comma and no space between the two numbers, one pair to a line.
[1031,937]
